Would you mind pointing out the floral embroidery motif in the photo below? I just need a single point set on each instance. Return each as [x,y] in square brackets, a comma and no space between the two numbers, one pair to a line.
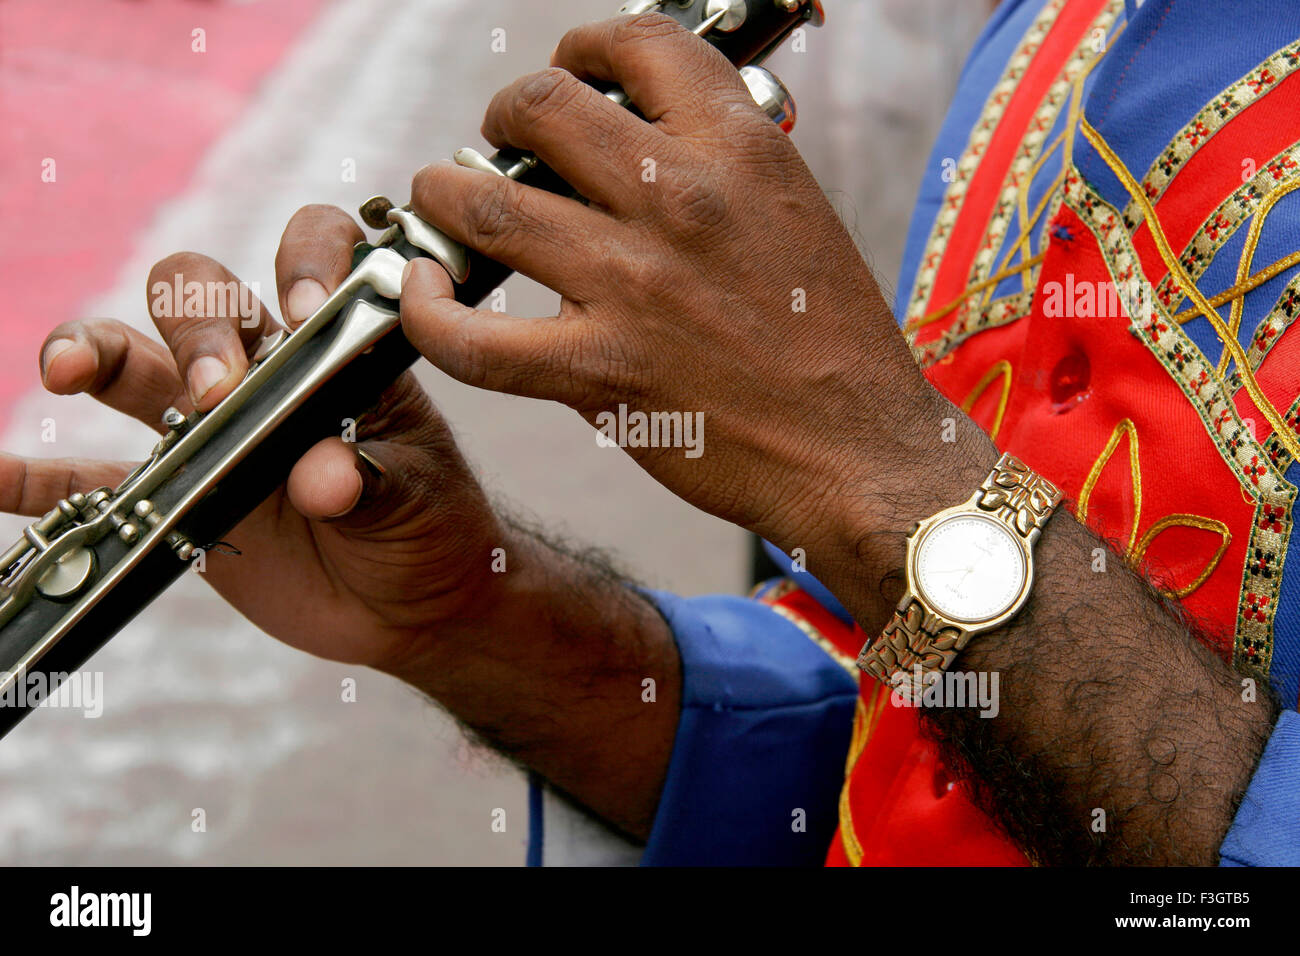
[980,137]
[1210,120]
[1259,468]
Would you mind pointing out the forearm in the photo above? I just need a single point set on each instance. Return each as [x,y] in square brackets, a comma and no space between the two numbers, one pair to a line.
[1108,703]
[553,675]
[1107,699]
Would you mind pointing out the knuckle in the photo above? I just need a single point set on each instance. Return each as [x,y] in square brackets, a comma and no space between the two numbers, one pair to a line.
[469,358]
[322,213]
[491,215]
[696,203]
[496,118]
[643,27]
[317,242]
[620,374]
[644,275]
[575,39]
[543,95]
[178,283]
[576,368]
[305,219]
[316,223]
[102,333]
[761,140]
[195,337]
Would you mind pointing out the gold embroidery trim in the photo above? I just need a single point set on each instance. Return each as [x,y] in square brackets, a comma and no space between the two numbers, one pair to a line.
[1248,257]
[1013,195]
[1125,427]
[981,134]
[1269,330]
[1222,223]
[866,716]
[1241,288]
[817,637]
[1136,549]
[1251,463]
[999,312]
[999,368]
[1261,576]
[995,228]
[991,282]
[1028,222]
[1176,269]
[1187,521]
[1230,102]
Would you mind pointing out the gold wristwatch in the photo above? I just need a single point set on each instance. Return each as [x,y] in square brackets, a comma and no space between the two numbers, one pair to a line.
[969,569]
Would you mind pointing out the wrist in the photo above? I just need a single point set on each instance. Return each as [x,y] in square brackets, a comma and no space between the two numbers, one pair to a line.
[550,670]
[931,457]
[506,581]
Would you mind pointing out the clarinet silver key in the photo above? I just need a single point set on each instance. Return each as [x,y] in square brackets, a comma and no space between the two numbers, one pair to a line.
[771,96]
[731,13]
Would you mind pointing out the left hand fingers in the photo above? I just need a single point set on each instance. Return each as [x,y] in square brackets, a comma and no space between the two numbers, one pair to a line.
[117,365]
[209,330]
[32,486]
[314,257]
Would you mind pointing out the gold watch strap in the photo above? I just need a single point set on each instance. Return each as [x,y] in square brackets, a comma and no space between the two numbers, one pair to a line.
[913,637]
[1019,497]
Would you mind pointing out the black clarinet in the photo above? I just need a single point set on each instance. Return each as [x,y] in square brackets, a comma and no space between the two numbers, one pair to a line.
[84,570]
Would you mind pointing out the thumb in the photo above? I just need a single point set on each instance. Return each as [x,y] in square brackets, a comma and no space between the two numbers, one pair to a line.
[537,358]
[367,486]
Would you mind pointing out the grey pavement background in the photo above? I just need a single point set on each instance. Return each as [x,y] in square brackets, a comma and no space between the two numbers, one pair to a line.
[202,710]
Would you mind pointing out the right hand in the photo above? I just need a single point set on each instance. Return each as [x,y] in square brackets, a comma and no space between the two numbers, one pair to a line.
[341,561]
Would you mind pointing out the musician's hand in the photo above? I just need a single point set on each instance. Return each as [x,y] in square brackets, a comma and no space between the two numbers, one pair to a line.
[395,565]
[710,275]
[346,560]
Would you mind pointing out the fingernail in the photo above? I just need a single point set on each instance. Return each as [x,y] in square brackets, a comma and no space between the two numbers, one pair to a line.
[304,298]
[205,373]
[53,351]
[406,271]
[356,499]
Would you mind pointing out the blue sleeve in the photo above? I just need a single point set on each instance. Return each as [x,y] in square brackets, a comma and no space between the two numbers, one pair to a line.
[758,762]
[820,592]
[1266,831]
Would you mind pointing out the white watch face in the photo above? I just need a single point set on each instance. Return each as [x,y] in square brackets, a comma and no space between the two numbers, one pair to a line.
[970,568]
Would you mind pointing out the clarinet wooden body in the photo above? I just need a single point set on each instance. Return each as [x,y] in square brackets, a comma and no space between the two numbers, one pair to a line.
[85,569]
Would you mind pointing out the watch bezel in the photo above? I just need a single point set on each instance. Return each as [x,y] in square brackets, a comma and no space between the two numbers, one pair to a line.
[967,509]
